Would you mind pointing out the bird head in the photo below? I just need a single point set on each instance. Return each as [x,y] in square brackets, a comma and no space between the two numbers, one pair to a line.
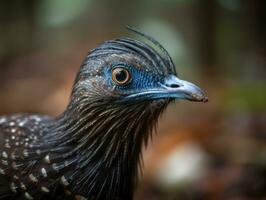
[129,71]
[120,91]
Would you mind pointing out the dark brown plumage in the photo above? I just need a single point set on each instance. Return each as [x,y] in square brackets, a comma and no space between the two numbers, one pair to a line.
[93,149]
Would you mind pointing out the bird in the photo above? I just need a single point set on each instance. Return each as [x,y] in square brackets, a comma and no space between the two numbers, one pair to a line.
[93,149]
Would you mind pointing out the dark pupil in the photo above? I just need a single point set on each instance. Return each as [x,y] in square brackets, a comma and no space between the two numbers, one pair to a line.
[121,75]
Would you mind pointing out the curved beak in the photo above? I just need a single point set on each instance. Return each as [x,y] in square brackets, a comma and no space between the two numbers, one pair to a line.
[172,88]
[181,89]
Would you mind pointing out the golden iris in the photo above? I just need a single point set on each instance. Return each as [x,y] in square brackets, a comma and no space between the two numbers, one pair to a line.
[121,76]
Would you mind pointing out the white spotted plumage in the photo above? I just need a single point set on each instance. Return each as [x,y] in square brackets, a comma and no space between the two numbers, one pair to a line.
[20,163]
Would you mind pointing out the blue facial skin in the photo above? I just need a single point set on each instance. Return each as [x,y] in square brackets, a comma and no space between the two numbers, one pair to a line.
[145,85]
[140,80]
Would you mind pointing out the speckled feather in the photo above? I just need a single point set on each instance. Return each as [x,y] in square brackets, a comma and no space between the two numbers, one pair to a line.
[93,149]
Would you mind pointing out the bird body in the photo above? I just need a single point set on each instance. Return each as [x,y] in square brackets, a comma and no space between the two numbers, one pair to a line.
[93,149]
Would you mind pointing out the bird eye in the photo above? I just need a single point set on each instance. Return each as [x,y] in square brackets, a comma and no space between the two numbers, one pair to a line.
[120,76]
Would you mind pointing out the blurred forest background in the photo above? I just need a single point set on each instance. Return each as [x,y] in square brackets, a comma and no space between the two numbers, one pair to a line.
[202,151]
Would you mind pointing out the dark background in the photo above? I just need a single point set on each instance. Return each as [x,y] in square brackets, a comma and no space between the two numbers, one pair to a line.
[202,151]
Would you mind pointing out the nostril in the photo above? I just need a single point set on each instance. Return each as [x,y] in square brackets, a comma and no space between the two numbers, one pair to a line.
[174,86]
[173,82]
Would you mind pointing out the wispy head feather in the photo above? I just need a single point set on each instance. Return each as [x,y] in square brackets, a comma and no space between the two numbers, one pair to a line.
[166,57]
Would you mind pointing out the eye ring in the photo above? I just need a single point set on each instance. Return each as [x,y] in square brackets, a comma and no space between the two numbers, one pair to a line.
[121,76]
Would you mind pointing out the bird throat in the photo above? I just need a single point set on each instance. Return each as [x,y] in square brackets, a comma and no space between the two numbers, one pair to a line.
[99,144]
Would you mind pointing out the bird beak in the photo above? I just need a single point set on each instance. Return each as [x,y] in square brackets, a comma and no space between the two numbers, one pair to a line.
[179,89]
[172,88]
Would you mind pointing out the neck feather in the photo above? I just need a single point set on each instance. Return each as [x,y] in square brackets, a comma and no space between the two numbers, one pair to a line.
[101,142]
